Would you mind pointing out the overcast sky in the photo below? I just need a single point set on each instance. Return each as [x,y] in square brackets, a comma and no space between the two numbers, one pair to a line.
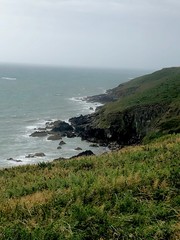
[93,33]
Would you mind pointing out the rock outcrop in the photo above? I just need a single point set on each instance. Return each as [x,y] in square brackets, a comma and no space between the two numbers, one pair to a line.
[82,154]
[33,155]
[126,127]
[39,134]
[55,131]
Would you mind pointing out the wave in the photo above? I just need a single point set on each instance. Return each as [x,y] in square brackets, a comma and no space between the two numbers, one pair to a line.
[78,99]
[85,107]
[9,78]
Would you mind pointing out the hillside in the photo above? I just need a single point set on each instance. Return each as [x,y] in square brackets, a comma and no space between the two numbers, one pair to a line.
[159,87]
[128,194]
[147,106]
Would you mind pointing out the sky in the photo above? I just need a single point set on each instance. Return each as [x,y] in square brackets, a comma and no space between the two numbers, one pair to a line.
[91,33]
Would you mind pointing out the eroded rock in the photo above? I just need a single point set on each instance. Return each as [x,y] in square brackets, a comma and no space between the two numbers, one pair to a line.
[78,149]
[33,155]
[85,153]
[54,137]
[14,160]
[39,134]
[62,143]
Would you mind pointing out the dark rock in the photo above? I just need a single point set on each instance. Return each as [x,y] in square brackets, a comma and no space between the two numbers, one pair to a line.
[39,134]
[54,137]
[62,143]
[101,144]
[78,149]
[84,128]
[125,128]
[42,129]
[93,145]
[85,153]
[59,159]
[35,155]
[59,147]
[81,120]
[39,154]
[61,126]
[30,156]
[14,160]
[70,134]
[91,109]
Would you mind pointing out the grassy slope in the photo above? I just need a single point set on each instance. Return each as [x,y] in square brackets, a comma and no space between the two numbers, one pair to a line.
[128,194]
[160,87]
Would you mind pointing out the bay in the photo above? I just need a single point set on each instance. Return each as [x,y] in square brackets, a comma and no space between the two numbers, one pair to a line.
[32,95]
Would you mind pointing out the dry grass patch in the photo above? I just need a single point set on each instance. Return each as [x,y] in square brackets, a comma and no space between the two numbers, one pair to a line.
[176,229]
[29,201]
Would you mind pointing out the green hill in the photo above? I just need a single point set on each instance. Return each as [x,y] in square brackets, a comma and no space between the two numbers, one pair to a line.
[145,107]
[128,194]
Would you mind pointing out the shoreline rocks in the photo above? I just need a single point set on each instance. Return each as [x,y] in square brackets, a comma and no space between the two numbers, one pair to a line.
[62,143]
[82,154]
[54,137]
[14,160]
[55,131]
[78,149]
[39,134]
[33,155]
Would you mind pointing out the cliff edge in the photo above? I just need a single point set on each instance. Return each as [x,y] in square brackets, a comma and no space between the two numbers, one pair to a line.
[141,109]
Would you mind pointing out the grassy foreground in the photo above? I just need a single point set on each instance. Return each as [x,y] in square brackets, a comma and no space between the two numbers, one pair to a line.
[128,194]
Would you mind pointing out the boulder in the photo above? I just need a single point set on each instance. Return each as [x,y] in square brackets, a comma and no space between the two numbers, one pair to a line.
[70,134]
[82,154]
[61,126]
[39,134]
[14,160]
[39,154]
[78,149]
[62,143]
[93,145]
[54,137]
[32,155]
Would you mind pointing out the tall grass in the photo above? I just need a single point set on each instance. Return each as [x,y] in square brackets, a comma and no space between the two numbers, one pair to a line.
[128,194]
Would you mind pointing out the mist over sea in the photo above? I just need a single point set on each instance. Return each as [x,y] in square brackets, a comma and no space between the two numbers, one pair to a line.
[31,95]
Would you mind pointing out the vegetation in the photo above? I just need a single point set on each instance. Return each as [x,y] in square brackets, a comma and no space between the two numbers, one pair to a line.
[128,194]
[161,87]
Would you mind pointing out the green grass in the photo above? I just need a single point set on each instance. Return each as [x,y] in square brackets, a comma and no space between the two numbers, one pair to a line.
[161,87]
[128,194]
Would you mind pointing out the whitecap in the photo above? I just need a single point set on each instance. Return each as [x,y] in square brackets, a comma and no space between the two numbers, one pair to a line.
[9,78]
[77,99]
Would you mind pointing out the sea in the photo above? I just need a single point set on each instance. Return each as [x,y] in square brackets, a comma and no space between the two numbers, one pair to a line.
[30,96]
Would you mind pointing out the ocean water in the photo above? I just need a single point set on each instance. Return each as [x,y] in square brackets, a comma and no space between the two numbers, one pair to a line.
[32,95]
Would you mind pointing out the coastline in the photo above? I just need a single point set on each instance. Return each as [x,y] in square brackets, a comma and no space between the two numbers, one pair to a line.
[47,94]
[42,131]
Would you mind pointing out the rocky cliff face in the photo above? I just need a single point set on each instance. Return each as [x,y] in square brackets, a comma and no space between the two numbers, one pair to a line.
[126,127]
[145,106]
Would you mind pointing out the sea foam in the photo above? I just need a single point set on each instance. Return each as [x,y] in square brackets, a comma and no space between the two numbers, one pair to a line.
[9,78]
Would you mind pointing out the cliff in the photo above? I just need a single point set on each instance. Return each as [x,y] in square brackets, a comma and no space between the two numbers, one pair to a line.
[145,107]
